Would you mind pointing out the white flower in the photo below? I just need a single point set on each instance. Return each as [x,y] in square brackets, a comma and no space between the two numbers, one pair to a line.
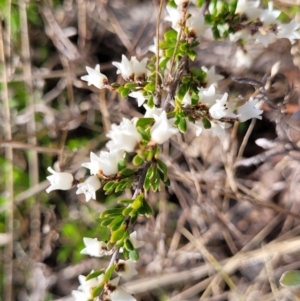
[175,16]
[117,293]
[89,187]
[107,163]
[187,99]
[264,37]
[196,25]
[211,77]
[163,128]
[139,68]
[126,268]
[249,110]
[179,2]
[150,112]
[219,128]
[136,243]
[124,136]
[86,287]
[81,296]
[198,126]
[288,31]
[249,8]
[208,96]
[139,97]
[124,68]
[240,35]
[269,16]
[220,109]
[133,69]
[93,247]
[59,180]
[95,78]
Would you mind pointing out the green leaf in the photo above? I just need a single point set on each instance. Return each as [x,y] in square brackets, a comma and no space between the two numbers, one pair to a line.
[121,165]
[130,85]
[150,102]
[116,235]
[127,211]
[126,253]
[182,125]
[109,185]
[138,202]
[290,278]
[145,135]
[170,35]
[110,212]
[192,54]
[163,63]
[147,209]
[134,255]
[183,89]
[107,221]
[117,221]
[169,52]
[206,123]
[127,172]
[150,172]
[94,274]
[109,273]
[97,290]
[137,160]
[163,167]
[147,184]
[128,245]
[125,201]
[150,87]
[143,122]
[125,92]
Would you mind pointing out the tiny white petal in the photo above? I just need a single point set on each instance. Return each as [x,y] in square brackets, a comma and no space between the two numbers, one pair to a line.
[95,78]
[221,109]
[124,68]
[249,110]
[211,77]
[163,128]
[89,187]
[93,247]
[126,268]
[133,239]
[187,99]
[139,97]
[59,180]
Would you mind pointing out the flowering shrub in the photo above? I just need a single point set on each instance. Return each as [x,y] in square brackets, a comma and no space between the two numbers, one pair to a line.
[175,97]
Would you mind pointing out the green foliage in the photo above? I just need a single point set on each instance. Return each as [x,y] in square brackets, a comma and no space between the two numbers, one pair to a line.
[290,279]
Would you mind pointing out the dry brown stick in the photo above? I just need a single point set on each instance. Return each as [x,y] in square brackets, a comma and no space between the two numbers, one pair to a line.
[9,187]
[35,237]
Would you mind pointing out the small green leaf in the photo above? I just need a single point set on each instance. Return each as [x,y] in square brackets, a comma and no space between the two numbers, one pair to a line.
[109,273]
[145,135]
[137,160]
[106,221]
[130,85]
[121,165]
[163,167]
[150,87]
[126,211]
[134,255]
[128,245]
[147,209]
[108,185]
[143,122]
[94,274]
[111,212]
[125,201]
[206,123]
[125,92]
[170,35]
[163,63]
[97,290]
[192,54]
[116,235]
[138,202]
[183,89]
[126,253]
[290,278]
[169,52]
[182,125]
[127,172]
[116,223]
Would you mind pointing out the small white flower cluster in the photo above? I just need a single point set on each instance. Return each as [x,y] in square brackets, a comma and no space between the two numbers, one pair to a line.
[124,268]
[269,29]
[219,107]
[195,23]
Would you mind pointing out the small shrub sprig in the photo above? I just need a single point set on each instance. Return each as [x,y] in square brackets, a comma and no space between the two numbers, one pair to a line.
[175,97]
